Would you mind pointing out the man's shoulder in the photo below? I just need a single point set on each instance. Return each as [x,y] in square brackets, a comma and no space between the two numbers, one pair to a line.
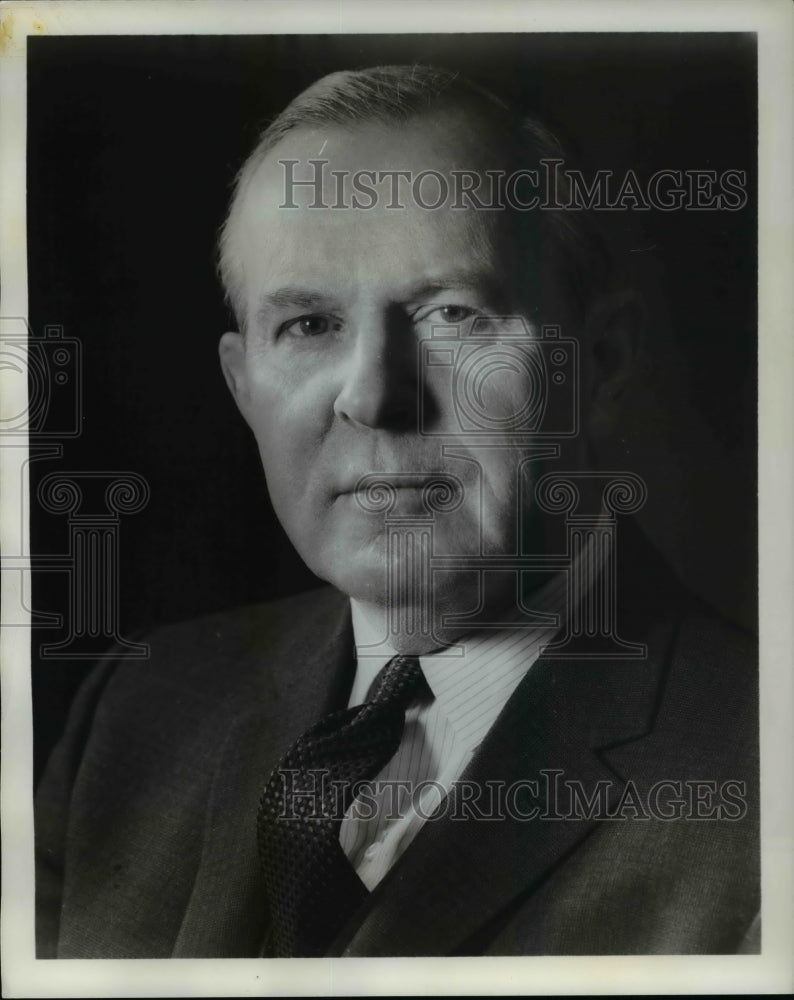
[714,672]
[266,625]
[705,633]
[651,595]
[214,655]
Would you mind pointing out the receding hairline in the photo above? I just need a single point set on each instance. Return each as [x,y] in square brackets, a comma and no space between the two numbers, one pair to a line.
[390,94]
[268,156]
[309,111]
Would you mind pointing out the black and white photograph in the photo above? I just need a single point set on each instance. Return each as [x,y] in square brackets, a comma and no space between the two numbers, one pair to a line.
[396,497]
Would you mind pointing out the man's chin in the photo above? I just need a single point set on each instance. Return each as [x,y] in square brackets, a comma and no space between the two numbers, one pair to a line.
[356,566]
[362,583]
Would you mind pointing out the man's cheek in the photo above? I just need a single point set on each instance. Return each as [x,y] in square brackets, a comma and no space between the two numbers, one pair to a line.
[285,424]
[304,408]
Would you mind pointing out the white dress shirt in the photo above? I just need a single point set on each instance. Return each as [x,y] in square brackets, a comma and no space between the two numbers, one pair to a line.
[470,686]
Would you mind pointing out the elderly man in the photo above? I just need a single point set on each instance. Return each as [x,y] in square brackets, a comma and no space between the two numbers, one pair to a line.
[486,736]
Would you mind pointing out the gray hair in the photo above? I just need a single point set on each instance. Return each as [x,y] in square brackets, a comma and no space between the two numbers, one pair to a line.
[395,95]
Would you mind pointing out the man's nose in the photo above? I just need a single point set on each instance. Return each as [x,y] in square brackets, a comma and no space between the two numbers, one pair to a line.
[380,384]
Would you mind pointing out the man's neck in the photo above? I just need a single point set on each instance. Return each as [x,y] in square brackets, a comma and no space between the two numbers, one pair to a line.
[399,628]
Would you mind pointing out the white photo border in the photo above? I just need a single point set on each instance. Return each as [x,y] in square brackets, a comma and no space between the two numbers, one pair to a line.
[770,972]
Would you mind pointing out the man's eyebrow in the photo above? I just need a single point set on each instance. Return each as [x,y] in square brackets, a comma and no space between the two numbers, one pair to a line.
[300,297]
[480,281]
[294,296]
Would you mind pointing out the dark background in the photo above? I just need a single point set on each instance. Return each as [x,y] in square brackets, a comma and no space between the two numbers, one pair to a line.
[132,145]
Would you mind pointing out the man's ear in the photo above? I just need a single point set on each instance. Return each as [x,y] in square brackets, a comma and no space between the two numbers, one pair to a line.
[232,354]
[615,332]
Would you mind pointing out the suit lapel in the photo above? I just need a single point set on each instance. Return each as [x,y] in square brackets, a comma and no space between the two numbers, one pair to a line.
[227,912]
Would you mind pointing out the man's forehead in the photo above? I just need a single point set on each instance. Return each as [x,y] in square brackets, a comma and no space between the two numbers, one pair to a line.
[442,141]
[294,215]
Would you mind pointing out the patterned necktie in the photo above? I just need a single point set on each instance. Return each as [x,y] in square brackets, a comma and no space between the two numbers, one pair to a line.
[312,887]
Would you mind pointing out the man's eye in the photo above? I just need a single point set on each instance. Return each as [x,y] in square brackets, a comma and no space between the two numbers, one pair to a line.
[451,313]
[311,326]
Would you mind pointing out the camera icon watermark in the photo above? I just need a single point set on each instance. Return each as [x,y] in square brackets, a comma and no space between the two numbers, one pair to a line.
[51,365]
[42,407]
[476,371]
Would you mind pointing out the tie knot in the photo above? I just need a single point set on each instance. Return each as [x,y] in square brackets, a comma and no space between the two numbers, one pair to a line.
[400,682]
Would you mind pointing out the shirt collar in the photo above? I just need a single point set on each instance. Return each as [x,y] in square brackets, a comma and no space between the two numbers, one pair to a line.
[472,681]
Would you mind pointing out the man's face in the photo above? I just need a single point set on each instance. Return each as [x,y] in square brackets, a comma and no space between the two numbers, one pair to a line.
[329,373]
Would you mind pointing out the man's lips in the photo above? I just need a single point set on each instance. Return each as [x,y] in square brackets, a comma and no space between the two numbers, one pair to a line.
[379,492]
[392,480]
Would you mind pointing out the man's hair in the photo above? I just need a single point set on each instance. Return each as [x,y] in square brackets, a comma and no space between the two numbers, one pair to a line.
[395,95]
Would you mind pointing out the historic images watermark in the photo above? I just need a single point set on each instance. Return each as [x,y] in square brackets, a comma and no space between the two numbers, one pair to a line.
[550,797]
[552,186]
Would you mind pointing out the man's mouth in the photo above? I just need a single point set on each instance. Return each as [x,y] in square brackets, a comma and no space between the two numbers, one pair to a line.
[378,492]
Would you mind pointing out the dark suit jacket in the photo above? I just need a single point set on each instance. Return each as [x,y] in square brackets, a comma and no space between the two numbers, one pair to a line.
[145,818]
